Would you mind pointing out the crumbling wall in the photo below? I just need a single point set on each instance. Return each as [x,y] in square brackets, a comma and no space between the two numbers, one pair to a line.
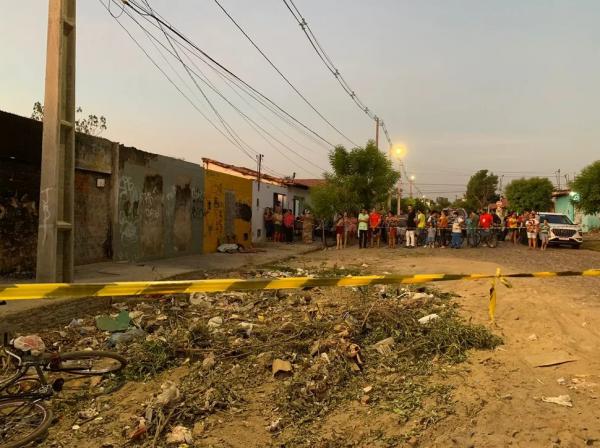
[20,161]
[160,211]
[228,210]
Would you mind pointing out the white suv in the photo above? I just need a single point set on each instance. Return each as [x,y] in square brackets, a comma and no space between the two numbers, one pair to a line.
[562,229]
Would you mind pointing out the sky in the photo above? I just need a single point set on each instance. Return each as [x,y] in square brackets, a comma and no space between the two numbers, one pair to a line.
[505,85]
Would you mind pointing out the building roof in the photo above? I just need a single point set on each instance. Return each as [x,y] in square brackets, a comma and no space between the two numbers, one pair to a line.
[250,173]
[309,182]
[559,193]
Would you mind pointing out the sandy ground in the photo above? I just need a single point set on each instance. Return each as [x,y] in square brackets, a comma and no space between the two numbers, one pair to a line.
[499,399]
[497,396]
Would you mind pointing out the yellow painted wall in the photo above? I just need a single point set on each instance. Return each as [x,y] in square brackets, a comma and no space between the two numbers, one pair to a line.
[216,188]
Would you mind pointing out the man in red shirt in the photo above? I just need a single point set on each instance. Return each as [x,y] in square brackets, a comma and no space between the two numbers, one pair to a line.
[485,223]
[288,226]
[375,226]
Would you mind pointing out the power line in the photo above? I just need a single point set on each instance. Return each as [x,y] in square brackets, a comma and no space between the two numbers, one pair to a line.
[314,42]
[139,10]
[262,53]
[189,50]
[194,105]
[202,77]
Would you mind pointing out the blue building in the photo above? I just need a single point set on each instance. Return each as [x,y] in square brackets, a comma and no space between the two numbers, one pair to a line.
[565,201]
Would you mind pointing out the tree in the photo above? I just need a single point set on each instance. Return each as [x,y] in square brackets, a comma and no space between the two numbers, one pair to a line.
[481,190]
[530,194]
[442,203]
[364,175]
[416,203]
[587,185]
[92,125]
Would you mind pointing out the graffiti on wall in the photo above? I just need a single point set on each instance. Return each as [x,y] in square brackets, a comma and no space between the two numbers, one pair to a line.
[129,202]
[197,203]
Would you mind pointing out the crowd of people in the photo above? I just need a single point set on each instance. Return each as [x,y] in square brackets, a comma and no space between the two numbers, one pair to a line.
[447,228]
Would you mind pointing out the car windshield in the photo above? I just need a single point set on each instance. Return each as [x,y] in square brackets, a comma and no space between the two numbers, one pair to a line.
[556,219]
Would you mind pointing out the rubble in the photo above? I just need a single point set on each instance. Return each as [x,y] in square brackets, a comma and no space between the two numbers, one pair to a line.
[200,356]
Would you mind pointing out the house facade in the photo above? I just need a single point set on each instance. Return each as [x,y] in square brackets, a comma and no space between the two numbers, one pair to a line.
[565,201]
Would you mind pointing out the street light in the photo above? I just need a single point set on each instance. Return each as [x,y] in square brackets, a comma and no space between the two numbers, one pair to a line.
[397,152]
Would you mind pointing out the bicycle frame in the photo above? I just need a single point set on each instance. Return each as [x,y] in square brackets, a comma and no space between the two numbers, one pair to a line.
[24,365]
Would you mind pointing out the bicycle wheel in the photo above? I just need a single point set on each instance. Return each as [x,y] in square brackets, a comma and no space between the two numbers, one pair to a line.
[22,421]
[87,363]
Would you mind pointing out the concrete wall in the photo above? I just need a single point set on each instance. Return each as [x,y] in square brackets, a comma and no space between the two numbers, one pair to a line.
[20,159]
[300,197]
[227,210]
[260,200]
[129,204]
[160,206]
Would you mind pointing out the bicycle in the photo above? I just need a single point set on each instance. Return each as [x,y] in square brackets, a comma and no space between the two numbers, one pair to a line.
[24,417]
[478,237]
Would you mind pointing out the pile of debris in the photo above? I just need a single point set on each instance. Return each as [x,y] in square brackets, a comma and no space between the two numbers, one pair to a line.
[203,355]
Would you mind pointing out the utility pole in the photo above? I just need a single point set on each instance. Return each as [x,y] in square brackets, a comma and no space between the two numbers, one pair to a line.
[55,230]
[558,179]
[398,208]
[377,132]
[259,158]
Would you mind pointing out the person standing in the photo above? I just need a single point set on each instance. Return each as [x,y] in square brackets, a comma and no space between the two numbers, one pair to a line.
[532,230]
[410,227]
[268,220]
[472,223]
[392,229]
[352,229]
[443,229]
[544,234]
[340,231]
[307,227]
[277,225]
[512,224]
[288,225]
[421,232]
[457,231]
[363,228]
[485,223]
[375,227]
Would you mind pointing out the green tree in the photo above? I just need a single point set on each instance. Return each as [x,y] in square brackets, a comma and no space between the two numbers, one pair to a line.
[416,203]
[530,194]
[481,190]
[442,203]
[91,125]
[587,185]
[365,175]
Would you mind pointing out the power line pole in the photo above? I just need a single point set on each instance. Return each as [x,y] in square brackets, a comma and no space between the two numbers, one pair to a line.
[55,230]
[259,158]
[377,132]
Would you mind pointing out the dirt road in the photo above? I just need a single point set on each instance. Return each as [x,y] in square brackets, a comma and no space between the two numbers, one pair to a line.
[495,398]
[499,400]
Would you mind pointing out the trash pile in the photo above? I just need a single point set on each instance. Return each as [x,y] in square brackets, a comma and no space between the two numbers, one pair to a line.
[198,360]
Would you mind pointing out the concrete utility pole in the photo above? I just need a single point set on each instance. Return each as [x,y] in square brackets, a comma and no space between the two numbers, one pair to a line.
[377,132]
[55,230]
[398,207]
[259,158]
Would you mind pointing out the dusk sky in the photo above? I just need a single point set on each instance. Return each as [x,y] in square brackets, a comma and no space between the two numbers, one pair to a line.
[507,85]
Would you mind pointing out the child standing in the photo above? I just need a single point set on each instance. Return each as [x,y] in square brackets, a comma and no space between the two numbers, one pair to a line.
[431,231]
[544,234]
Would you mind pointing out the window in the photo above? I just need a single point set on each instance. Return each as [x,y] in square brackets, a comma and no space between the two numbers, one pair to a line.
[279,199]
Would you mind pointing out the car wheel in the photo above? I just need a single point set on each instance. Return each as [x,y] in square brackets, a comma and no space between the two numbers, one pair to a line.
[576,245]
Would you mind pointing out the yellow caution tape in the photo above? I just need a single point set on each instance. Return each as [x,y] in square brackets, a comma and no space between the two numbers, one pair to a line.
[118,289]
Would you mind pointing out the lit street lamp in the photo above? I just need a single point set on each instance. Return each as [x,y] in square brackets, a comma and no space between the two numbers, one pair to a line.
[398,152]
